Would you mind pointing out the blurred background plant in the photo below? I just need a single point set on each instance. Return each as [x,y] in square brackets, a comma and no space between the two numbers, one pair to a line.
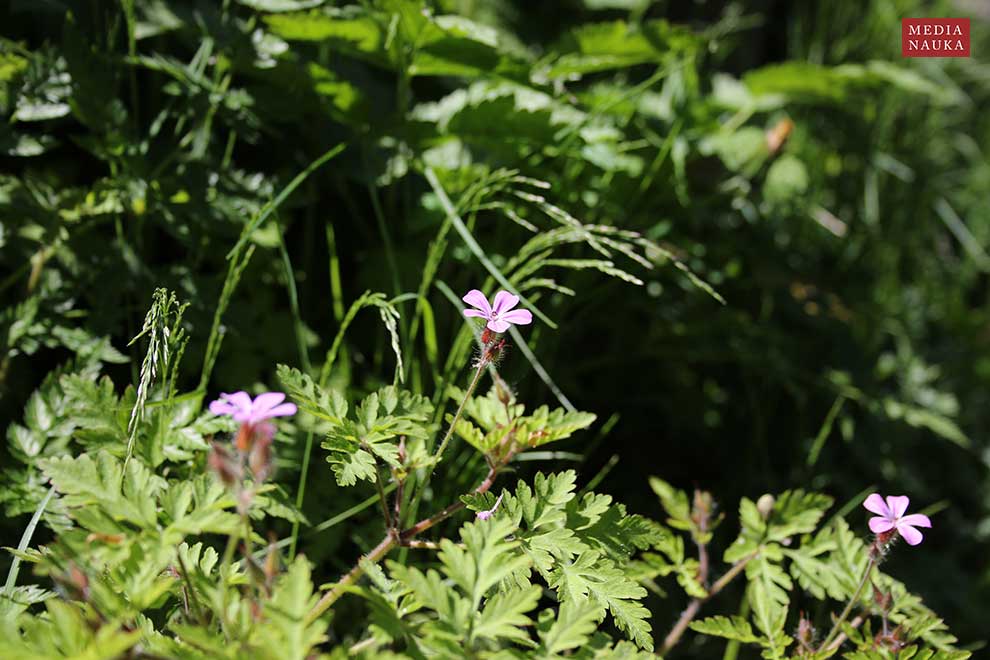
[272,160]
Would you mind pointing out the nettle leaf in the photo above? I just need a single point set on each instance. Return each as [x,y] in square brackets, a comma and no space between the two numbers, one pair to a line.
[381,417]
[602,46]
[324,403]
[592,578]
[735,627]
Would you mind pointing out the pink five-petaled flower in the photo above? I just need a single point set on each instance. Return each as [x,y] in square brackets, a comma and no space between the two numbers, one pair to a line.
[485,515]
[500,315]
[890,515]
[240,406]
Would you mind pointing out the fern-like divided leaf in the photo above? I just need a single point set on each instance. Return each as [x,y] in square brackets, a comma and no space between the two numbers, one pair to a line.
[357,444]
[735,627]
[574,544]
[323,403]
[491,426]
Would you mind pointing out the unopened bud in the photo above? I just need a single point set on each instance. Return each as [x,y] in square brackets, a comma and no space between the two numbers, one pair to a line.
[701,509]
[883,599]
[226,467]
[261,460]
[504,395]
[805,633]
[765,505]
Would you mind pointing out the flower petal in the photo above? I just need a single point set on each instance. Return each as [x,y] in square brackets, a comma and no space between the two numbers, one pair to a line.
[240,399]
[265,402]
[898,504]
[518,317]
[504,301]
[916,519]
[910,534]
[477,299]
[476,312]
[876,504]
[281,411]
[222,407]
[880,524]
[498,325]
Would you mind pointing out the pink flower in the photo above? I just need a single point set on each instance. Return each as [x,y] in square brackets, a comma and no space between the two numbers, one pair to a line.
[501,314]
[240,406]
[890,515]
[485,515]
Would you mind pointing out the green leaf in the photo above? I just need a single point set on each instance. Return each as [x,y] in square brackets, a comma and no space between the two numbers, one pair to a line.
[576,621]
[596,47]
[675,503]
[285,633]
[329,405]
[768,596]
[381,417]
[735,627]
[504,615]
[795,512]
[593,578]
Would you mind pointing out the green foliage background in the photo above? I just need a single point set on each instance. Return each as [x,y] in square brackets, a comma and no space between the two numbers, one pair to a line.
[147,144]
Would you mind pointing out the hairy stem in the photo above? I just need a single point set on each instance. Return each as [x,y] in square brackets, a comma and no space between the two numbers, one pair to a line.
[381,495]
[391,540]
[691,611]
[852,602]
[841,637]
[460,409]
[189,588]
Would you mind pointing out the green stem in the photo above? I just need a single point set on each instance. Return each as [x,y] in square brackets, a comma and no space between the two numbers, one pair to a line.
[851,604]
[391,540]
[15,565]
[460,409]
[687,616]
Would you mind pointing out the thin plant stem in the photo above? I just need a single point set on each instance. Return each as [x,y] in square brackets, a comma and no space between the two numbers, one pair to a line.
[851,604]
[691,611]
[392,540]
[15,564]
[189,587]
[460,409]
[381,496]
[842,637]
[225,568]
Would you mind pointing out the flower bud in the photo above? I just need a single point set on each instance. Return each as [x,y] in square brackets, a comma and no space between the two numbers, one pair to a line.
[765,505]
[226,467]
[261,460]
